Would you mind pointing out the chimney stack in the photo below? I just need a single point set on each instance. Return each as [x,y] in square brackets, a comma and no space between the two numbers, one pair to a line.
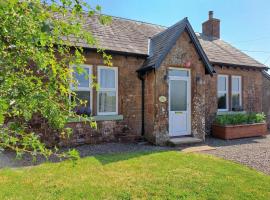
[211,27]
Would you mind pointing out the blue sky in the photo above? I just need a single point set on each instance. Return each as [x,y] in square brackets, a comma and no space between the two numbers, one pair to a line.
[244,23]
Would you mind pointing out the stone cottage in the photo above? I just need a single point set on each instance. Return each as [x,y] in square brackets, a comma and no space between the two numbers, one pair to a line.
[166,82]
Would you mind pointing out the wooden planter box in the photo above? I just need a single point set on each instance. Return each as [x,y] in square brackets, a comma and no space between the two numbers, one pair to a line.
[239,131]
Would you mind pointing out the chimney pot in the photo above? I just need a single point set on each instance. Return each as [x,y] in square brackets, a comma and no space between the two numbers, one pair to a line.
[211,14]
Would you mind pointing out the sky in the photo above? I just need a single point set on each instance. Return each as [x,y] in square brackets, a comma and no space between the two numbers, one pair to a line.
[244,23]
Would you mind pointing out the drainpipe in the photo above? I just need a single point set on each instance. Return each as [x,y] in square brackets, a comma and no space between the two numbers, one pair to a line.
[141,77]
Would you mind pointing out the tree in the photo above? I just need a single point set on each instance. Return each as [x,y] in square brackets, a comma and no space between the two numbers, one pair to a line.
[36,50]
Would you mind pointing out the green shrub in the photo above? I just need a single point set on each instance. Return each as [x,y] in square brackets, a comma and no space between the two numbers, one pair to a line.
[240,118]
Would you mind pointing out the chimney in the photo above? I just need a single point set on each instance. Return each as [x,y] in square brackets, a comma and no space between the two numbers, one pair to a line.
[211,27]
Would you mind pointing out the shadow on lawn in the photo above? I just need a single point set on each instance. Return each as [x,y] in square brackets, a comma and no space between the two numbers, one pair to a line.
[116,151]
[104,160]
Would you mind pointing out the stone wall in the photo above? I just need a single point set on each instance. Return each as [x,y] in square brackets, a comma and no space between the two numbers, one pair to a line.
[251,91]
[149,102]
[266,97]
[129,105]
[182,53]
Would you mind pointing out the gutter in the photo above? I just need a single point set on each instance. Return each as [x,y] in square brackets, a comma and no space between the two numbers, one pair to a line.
[140,55]
[143,70]
[241,66]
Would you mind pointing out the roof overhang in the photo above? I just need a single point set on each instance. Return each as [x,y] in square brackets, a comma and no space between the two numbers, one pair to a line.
[124,53]
[240,66]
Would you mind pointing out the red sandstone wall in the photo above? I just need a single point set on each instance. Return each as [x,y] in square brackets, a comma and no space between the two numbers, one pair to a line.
[129,105]
[266,99]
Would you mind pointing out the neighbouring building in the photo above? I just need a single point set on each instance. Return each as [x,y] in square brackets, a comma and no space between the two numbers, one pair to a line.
[165,81]
[266,96]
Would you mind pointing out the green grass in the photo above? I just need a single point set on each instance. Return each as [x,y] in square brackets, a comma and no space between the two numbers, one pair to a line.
[156,175]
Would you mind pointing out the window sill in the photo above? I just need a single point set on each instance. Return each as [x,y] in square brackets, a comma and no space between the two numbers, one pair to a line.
[98,118]
[230,112]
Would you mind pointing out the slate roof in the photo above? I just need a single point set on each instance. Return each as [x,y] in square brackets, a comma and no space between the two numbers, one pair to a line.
[161,44]
[221,52]
[121,35]
[266,75]
[129,36]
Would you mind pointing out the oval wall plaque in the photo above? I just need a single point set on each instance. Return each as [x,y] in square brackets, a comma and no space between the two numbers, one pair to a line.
[162,99]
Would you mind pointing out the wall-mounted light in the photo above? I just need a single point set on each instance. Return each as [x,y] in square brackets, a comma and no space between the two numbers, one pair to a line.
[165,77]
[198,79]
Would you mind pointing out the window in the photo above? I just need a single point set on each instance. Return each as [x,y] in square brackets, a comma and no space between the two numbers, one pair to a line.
[223,93]
[178,72]
[108,91]
[236,93]
[83,89]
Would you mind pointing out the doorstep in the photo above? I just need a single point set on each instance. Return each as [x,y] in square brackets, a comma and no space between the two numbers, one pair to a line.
[198,149]
[180,141]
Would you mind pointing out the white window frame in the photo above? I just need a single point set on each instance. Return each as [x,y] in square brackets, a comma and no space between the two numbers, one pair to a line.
[108,90]
[240,89]
[84,89]
[225,91]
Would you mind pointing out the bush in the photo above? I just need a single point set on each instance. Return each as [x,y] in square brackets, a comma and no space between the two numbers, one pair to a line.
[240,118]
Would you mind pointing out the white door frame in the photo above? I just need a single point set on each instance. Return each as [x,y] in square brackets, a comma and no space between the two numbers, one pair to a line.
[188,79]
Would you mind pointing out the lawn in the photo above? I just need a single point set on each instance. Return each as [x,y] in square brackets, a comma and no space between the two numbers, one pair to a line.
[148,175]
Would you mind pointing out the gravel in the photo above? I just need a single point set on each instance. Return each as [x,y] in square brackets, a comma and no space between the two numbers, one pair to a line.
[253,152]
[8,159]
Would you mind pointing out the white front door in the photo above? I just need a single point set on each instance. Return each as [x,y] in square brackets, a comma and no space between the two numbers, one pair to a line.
[179,104]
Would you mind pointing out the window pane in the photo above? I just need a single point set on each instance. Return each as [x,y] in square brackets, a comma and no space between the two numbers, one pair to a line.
[178,95]
[222,83]
[236,84]
[222,99]
[85,107]
[174,72]
[83,78]
[107,78]
[235,101]
[107,101]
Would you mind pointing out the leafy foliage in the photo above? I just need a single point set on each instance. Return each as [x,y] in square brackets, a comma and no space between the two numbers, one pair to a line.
[36,50]
[240,118]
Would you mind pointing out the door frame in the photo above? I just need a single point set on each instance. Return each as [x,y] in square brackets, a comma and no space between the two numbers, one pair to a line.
[188,79]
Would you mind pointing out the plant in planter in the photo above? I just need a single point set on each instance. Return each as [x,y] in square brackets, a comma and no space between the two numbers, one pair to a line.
[231,126]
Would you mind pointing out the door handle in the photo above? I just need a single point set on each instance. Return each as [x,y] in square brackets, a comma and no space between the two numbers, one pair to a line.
[178,112]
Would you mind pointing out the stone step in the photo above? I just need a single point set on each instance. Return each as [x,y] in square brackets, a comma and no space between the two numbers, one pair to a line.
[182,141]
